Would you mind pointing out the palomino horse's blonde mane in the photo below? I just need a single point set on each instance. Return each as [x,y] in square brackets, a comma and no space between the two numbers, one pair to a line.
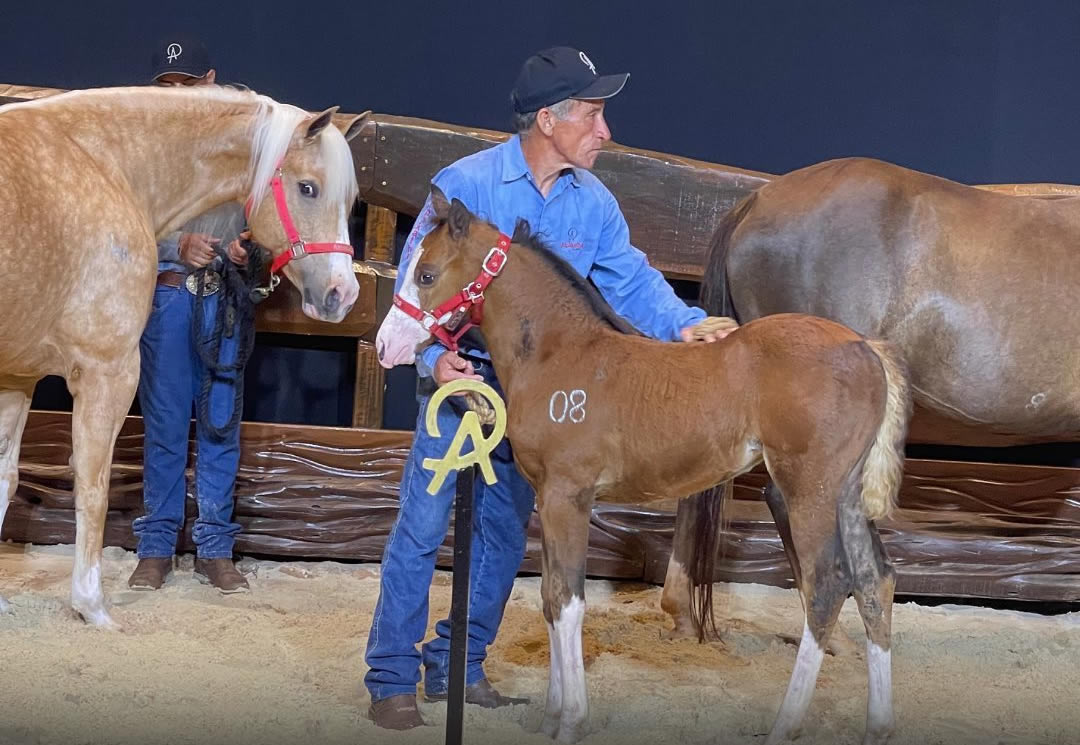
[271,131]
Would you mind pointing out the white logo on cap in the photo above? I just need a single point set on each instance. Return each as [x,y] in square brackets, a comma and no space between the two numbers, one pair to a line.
[173,51]
[587,61]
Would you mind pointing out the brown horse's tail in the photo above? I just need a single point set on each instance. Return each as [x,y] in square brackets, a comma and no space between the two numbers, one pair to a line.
[884,467]
[715,294]
[706,541]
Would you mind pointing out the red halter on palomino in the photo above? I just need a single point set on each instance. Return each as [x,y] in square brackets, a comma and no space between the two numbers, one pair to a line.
[298,249]
[443,322]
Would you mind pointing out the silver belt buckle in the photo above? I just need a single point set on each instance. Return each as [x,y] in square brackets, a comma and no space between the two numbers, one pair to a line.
[211,283]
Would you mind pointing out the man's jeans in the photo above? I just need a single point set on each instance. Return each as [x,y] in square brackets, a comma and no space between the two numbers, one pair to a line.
[171,377]
[500,518]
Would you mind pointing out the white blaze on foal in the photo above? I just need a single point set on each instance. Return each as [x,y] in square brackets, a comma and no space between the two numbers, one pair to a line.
[400,334]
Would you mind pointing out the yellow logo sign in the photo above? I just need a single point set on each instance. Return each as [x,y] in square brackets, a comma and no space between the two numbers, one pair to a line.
[469,429]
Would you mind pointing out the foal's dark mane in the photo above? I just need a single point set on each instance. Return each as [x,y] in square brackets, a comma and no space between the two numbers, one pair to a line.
[592,297]
[594,301]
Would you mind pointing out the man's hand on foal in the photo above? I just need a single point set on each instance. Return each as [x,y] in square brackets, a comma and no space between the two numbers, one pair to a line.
[713,328]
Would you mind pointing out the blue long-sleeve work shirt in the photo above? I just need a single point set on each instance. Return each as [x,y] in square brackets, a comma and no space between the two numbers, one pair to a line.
[580,220]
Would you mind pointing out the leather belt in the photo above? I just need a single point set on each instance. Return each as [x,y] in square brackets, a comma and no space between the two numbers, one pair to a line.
[211,284]
[171,279]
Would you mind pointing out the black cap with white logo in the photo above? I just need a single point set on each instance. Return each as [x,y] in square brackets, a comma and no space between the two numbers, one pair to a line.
[182,55]
[559,73]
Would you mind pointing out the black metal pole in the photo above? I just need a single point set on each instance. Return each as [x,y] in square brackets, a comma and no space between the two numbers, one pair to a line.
[459,605]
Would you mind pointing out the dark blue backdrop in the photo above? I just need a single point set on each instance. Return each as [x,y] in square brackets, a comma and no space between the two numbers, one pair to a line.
[975,90]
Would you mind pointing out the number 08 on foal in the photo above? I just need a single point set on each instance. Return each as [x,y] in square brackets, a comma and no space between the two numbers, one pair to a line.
[596,411]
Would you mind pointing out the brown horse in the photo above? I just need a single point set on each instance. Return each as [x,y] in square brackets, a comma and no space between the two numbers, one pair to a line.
[976,288]
[88,181]
[598,413]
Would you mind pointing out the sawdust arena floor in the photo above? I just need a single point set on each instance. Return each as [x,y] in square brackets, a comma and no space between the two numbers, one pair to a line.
[284,665]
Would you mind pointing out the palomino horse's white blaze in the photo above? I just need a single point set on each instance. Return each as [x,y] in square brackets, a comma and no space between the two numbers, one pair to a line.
[565,637]
[879,708]
[399,334]
[800,689]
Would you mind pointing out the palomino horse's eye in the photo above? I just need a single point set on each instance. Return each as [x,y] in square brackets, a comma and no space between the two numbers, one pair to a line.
[308,189]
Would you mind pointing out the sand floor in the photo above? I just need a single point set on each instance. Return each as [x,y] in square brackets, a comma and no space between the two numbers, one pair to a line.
[284,665]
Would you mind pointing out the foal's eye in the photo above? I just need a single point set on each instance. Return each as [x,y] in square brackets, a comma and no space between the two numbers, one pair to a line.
[426,278]
[308,189]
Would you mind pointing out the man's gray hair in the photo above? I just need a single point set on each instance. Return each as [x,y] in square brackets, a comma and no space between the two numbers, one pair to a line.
[522,123]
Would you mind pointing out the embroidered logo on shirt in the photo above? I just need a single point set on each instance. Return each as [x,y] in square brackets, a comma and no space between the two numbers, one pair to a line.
[572,239]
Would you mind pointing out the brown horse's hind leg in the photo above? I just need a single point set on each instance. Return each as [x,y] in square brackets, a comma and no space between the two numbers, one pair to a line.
[14,406]
[874,582]
[812,542]
[564,517]
[675,598]
[102,396]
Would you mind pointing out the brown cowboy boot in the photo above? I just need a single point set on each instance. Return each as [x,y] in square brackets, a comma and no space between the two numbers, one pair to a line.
[222,574]
[481,693]
[150,574]
[396,712]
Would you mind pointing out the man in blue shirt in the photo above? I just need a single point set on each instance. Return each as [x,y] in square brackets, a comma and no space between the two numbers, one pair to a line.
[540,174]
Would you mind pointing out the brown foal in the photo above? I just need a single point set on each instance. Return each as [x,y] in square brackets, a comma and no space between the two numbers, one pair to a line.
[595,412]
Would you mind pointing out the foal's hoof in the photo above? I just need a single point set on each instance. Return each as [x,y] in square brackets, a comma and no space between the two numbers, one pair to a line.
[550,725]
[878,737]
[570,733]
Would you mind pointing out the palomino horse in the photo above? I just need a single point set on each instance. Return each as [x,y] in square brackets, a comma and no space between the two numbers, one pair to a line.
[977,290]
[88,180]
[590,413]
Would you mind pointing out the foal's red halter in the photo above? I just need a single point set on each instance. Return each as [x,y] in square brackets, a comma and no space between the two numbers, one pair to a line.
[298,249]
[444,322]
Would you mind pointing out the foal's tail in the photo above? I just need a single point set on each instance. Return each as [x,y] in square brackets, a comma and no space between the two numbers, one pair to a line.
[884,467]
[715,295]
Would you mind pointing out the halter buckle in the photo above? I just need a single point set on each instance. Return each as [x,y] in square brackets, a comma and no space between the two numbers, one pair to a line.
[494,261]
[473,295]
[298,249]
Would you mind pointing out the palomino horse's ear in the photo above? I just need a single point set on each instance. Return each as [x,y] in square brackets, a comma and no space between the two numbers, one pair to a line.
[458,219]
[350,126]
[320,122]
[439,202]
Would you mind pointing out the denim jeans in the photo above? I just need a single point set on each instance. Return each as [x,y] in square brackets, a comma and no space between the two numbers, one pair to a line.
[171,377]
[500,519]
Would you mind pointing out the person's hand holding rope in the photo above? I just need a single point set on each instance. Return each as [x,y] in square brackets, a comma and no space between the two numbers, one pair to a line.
[197,249]
[236,252]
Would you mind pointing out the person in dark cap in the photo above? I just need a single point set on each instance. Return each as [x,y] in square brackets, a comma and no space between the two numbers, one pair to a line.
[172,373]
[181,60]
[542,174]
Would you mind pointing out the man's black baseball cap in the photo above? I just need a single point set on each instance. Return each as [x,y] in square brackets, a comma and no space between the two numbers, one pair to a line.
[559,73]
[180,54]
